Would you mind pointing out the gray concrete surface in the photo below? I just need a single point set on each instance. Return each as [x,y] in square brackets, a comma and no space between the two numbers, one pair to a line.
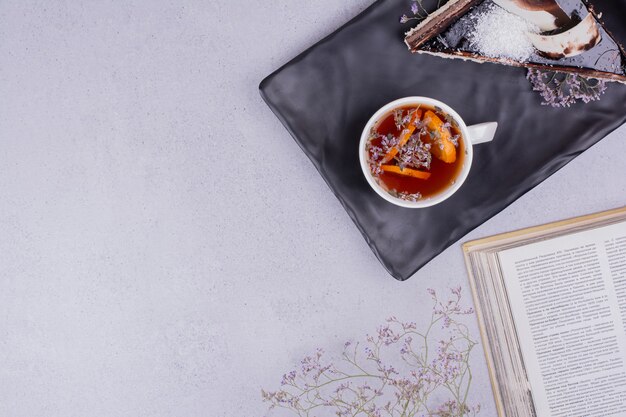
[165,247]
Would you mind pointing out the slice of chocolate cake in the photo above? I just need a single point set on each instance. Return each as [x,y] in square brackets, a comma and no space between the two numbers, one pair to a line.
[572,36]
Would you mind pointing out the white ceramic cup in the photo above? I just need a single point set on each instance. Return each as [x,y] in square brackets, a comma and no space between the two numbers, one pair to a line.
[471,135]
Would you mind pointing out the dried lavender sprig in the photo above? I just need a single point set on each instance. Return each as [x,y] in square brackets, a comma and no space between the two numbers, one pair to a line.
[563,90]
[414,154]
[418,11]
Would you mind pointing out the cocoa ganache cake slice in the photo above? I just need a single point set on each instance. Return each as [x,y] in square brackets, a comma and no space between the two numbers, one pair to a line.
[571,36]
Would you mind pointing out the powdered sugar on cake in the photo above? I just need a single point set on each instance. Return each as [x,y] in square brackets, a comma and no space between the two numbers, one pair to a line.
[499,34]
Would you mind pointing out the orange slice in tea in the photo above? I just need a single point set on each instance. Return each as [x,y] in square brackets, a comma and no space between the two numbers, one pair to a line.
[442,146]
[404,137]
[394,169]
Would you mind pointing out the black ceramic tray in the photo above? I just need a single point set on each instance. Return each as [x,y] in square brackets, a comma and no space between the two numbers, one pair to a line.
[325,96]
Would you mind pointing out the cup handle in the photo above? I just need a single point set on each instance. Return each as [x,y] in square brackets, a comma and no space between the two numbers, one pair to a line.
[481,133]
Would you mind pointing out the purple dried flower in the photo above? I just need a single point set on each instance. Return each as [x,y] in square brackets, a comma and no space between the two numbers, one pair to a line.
[398,118]
[563,90]
[288,378]
[417,10]
[389,142]
[393,367]
[414,154]
[410,196]
[375,169]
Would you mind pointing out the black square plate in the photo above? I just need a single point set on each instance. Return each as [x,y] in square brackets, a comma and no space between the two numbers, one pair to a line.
[325,96]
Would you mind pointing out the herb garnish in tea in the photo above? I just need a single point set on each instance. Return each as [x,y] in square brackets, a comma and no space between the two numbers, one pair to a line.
[415,152]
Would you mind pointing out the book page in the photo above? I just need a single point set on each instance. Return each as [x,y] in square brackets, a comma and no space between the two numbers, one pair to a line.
[568,299]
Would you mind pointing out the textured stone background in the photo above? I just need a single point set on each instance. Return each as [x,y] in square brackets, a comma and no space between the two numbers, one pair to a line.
[165,247]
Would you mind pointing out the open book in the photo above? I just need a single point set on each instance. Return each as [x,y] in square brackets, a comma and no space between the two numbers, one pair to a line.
[551,305]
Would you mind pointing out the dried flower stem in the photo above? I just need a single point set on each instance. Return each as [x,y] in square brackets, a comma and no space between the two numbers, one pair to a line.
[563,90]
[393,373]
[418,11]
